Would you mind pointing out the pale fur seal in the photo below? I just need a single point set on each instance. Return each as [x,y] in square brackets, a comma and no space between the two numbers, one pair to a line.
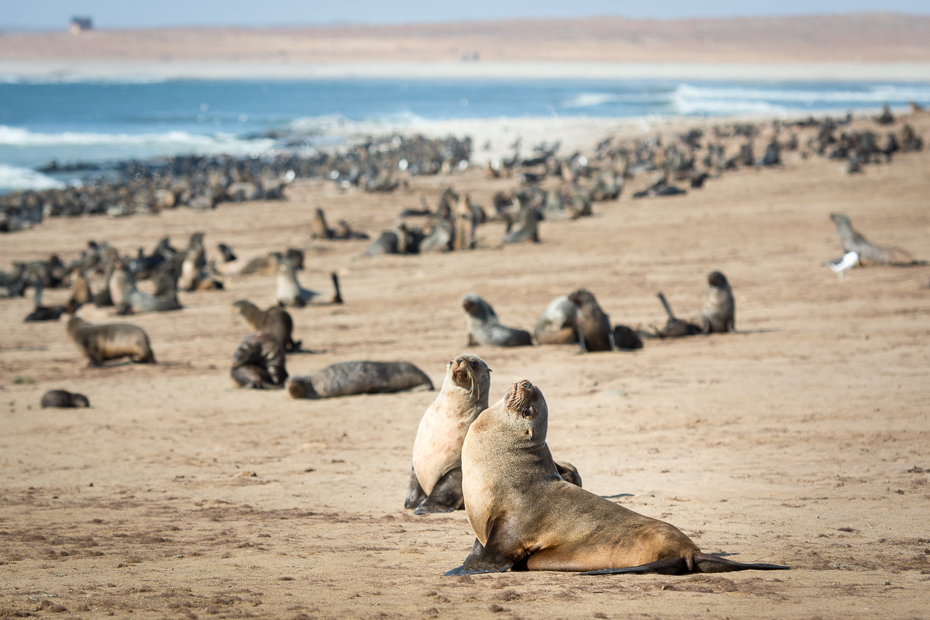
[275,320]
[258,362]
[869,254]
[359,377]
[719,311]
[107,342]
[64,399]
[485,328]
[526,517]
[290,293]
[123,292]
[557,325]
[436,477]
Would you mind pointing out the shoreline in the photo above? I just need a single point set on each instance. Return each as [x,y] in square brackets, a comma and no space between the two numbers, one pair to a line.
[465,70]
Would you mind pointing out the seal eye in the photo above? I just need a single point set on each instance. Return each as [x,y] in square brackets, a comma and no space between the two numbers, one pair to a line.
[529,412]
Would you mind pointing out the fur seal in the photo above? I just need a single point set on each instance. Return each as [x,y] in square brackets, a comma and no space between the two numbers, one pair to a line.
[674,327]
[64,399]
[436,476]
[290,293]
[107,342]
[485,328]
[526,517]
[869,254]
[258,362]
[123,291]
[719,311]
[557,325]
[359,377]
[43,313]
[592,323]
[275,321]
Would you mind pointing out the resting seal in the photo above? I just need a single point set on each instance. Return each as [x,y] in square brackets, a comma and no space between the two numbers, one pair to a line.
[275,320]
[259,362]
[123,291]
[107,342]
[526,517]
[557,325]
[350,378]
[64,399]
[674,327]
[719,311]
[869,254]
[484,327]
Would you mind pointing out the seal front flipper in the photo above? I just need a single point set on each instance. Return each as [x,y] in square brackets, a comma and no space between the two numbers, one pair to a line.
[446,496]
[415,494]
[499,555]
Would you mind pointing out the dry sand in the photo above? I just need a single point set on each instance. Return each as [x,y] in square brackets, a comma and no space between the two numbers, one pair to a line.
[802,440]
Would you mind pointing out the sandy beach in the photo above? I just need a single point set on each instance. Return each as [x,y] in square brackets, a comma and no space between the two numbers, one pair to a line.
[802,439]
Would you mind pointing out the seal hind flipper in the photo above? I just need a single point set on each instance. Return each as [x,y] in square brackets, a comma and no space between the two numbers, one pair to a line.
[665,566]
[701,563]
[480,560]
[446,495]
[707,563]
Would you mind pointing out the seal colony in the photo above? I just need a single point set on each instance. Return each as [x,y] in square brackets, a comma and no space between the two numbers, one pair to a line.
[526,517]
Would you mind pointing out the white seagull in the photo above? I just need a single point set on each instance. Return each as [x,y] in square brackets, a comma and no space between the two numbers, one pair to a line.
[842,266]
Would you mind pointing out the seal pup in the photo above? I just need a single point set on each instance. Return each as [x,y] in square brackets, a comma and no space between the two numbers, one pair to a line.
[526,517]
[100,343]
[275,320]
[719,312]
[485,328]
[63,399]
[592,323]
[869,254]
[258,362]
[558,324]
[359,377]
[674,327]
[436,476]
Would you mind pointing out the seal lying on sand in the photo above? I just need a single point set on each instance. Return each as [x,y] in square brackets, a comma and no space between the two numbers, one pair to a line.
[349,378]
[290,293]
[719,311]
[108,342]
[557,325]
[674,328]
[869,254]
[436,478]
[123,292]
[485,328]
[526,517]
[64,399]
[275,321]
[259,362]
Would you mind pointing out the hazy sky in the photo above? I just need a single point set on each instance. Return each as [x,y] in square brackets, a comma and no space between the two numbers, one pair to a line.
[54,14]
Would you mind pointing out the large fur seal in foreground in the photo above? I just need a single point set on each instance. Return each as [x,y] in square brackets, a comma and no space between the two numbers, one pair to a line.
[485,328]
[869,254]
[719,311]
[350,378]
[259,362]
[64,399]
[436,478]
[107,342]
[526,517]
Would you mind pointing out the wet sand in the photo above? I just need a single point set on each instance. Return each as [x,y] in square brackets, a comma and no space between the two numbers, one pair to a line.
[800,440]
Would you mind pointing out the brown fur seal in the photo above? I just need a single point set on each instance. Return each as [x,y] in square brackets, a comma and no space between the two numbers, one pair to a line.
[350,378]
[64,399]
[526,517]
[528,231]
[557,325]
[674,327]
[108,342]
[485,328]
[275,321]
[592,323]
[80,292]
[436,477]
[719,311]
[290,293]
[869,254]
[259,362]
[123,291]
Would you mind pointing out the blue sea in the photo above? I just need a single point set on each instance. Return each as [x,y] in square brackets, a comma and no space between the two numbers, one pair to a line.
[103,121]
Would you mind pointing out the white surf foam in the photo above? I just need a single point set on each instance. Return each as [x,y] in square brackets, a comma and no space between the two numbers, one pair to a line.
[14,178]
[589,100]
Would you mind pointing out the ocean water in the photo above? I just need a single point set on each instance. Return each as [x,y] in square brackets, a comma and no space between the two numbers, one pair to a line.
[99,122]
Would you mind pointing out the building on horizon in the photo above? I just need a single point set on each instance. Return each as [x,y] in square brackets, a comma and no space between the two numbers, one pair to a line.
[80,24]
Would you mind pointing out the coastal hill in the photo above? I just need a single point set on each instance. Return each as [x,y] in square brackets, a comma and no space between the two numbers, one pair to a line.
[878,37]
